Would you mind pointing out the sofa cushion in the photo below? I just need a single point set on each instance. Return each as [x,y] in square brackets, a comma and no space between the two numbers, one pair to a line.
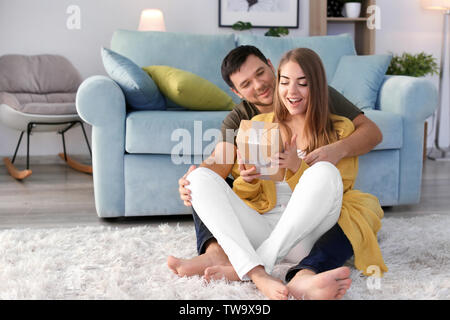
[391,126]
[170,128]
[141,92]
[183,88]
[166,132]
[359,78]
[329,48]
[196,53]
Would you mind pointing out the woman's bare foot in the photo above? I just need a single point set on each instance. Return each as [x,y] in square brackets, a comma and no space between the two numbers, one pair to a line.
[271,287]
[329,285]
[214,255]
[220,272]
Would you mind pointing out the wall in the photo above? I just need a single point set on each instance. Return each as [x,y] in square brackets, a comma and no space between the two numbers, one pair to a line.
[407,27]
[39,26]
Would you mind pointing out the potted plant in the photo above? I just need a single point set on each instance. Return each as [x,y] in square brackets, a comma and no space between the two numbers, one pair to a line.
[414,65]
[352,8]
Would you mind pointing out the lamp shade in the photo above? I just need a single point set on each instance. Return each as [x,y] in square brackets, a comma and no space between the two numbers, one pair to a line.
[152,20]
[436,4]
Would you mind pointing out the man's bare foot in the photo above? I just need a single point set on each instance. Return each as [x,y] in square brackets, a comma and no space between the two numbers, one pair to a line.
[214,255]
[329,285]
[271,287]
[221,272]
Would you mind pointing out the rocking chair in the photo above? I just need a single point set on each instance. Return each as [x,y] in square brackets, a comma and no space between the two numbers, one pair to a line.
[37,94]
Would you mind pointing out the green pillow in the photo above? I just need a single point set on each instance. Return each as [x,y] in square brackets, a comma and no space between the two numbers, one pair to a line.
[189,90]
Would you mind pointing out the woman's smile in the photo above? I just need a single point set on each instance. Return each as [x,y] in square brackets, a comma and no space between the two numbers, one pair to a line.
[295,102]
[293,88]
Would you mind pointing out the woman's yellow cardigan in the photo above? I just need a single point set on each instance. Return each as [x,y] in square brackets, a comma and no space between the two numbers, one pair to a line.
[361,213]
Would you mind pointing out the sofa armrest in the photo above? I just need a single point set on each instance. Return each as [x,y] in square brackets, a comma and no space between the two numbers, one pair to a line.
[101,103]
[414,99]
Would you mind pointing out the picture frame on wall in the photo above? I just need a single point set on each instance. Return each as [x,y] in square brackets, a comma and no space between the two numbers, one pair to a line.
[260,13]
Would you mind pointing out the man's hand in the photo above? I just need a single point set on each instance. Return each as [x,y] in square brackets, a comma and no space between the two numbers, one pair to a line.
[248,175]
[330,152]
[365,137]
[185,194]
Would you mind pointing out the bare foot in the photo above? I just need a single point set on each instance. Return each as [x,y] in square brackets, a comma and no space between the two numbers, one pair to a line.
[329,285]
[271,287]
[214,255]
[220,272]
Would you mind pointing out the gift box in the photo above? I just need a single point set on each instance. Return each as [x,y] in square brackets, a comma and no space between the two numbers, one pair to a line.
[257,142]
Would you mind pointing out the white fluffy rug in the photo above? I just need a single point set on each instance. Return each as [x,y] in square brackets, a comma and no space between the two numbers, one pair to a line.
[130,263]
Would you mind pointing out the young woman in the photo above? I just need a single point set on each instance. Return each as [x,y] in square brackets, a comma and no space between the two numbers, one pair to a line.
[262,221]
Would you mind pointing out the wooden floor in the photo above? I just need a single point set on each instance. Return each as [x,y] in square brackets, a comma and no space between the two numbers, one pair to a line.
[57,196]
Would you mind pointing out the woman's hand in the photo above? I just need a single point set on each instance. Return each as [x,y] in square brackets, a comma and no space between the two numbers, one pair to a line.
[248,175]
[289,158]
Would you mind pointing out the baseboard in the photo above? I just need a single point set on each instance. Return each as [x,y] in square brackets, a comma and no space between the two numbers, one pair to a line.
[47,159]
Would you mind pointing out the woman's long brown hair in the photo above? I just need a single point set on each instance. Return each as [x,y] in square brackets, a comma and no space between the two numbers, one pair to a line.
[318,128]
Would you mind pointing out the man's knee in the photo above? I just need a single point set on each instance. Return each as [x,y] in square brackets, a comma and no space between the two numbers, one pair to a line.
[201,178]
[200,173]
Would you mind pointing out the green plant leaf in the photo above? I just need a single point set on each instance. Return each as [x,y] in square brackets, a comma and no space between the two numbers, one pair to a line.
[277,32]
[418,65]
[240,26]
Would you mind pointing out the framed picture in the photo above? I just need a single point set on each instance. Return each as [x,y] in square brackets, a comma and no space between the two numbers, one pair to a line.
[260,13]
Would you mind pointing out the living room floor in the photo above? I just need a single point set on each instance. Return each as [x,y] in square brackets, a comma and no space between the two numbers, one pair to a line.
[58,196]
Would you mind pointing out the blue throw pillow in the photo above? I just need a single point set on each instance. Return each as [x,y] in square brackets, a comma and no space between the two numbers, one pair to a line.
[359,78]
[141,92]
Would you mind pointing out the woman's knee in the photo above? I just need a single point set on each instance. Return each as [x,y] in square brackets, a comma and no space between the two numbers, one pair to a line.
[324,174]
[324,169]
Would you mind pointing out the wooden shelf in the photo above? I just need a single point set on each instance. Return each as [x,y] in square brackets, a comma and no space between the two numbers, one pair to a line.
[364,37]
[342,19]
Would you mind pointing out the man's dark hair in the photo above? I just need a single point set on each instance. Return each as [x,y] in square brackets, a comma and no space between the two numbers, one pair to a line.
[236,58]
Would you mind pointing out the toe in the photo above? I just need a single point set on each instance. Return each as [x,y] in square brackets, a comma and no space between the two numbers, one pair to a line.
[172,263]
[345,283]
[343,272]
[340,294]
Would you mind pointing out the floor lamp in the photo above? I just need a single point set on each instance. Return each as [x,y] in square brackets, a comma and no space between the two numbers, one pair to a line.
[438,152]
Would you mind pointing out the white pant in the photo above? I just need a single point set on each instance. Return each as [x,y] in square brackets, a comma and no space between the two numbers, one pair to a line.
[249,238]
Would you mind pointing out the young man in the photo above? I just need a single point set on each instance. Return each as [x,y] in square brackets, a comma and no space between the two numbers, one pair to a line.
[320,275]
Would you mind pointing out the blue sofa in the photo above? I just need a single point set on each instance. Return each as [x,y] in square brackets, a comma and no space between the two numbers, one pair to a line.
[133,170]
